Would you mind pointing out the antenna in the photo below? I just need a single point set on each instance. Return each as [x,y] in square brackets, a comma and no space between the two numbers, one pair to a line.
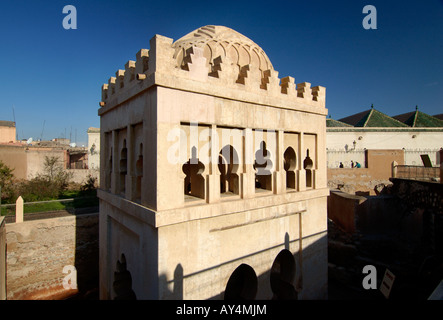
[41,135]
[13,114]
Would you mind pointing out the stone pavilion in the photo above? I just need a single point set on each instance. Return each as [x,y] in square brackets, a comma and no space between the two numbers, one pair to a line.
[208,162]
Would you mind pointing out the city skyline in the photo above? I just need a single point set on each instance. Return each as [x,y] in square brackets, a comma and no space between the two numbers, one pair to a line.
[53,76]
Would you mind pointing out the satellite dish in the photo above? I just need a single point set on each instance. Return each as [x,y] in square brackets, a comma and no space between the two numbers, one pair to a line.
[73,145]
[29,141]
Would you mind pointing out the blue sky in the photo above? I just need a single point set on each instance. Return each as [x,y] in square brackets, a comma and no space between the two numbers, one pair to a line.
[52,77]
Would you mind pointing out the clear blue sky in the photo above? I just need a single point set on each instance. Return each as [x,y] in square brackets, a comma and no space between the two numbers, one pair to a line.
[53,77]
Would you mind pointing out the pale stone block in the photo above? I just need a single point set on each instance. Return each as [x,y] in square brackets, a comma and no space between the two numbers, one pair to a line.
[19,210]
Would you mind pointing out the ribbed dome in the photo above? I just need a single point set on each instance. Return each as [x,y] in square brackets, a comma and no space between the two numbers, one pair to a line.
[221,41]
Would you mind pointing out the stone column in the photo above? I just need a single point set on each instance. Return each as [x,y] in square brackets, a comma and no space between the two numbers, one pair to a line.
[19,210]
[279,173]
[441,165]
[115,163]
[247,178]
[213,179]
[130,175]
[394,165]
[301,173]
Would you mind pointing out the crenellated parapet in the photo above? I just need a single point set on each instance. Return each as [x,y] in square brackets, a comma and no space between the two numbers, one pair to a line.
[214,60]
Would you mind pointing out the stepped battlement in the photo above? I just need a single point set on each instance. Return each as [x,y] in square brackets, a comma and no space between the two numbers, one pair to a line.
[211,57]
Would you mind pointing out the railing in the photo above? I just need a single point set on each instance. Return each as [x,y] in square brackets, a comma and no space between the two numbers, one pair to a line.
[416,172]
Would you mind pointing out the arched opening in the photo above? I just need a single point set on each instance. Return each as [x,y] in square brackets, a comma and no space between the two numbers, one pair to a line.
[263,166]
[308,165]
[108,177]
[122,284]
[282,276]
[139,174]
[242,284]
[228,163]
[194,184]
[290,163]
[123,168]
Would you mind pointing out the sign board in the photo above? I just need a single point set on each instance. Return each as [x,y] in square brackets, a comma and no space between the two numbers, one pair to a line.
[386,284]
[426,160]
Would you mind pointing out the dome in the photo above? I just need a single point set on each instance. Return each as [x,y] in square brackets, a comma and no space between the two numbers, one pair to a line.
[219,41]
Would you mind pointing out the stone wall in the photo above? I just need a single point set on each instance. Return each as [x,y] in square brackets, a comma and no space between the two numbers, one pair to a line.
[38,250]
[376,170]
[81,175]
[2,259]
[414,141]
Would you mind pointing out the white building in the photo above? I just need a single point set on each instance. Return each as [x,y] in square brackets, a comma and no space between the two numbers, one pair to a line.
[415,132]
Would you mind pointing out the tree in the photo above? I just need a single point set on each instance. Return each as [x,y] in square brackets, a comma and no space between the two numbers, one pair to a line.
[54,173]
[6,180]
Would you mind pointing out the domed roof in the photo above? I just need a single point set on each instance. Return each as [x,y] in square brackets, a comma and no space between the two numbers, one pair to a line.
[221,41]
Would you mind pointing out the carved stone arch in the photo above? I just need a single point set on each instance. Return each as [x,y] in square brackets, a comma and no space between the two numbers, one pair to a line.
[263,166]
[139,173]
[228,164]
[123,166]
[194,182]
[308,165]
[290,164]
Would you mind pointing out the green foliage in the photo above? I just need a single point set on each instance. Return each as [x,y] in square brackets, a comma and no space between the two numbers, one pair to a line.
[47,185]
[90,184]
[6,181]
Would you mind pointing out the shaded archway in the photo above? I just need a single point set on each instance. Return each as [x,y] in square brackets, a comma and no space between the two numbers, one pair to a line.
[242,284]
[282,276]
[194,184]
[228,163]
[308,165]
[139,174]
[290,163]
[263,166]
[123,168]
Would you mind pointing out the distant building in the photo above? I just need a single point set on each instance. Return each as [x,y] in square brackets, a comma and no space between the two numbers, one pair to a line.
[378,142]
[415,133]
[7,131]
[94,148]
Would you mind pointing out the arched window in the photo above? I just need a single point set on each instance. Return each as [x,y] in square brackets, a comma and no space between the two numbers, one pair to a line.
[263,166]
[308,166]
[228,163]
[290,163]
[194,183]
[108,176]
[139,173]
[123,167]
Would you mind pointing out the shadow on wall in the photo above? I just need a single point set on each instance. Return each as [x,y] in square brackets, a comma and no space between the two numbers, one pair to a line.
[283,278]
[87,256]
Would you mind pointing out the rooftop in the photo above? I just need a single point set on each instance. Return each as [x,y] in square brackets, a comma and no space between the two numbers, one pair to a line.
[372,118]
[4,123]
[419,119]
